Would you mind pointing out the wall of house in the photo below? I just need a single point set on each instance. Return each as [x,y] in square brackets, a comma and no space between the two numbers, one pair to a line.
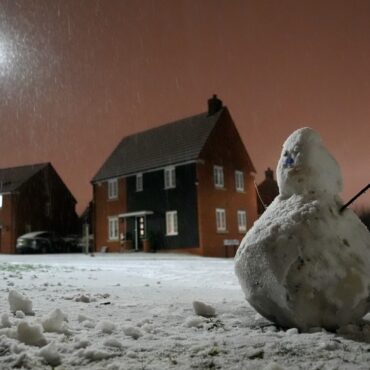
[224,148]
[154,197]
[26,210]
[44,203]
[8,236]
[104,208]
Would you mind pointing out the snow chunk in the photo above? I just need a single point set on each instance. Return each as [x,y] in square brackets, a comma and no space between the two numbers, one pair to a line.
[292,331]
[82,343]
[203,309]
[50,354]
[5,322]
[55,321]
[133,332]
[19,302]
[88,324]
[194,322]
[19,314]
[112,342]
[106,326]
[93,354]
[81,318]
[85,298]
[273,366]
[31,334]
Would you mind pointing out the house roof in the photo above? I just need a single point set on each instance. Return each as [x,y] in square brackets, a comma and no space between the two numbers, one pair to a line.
[177,142]
[12,178]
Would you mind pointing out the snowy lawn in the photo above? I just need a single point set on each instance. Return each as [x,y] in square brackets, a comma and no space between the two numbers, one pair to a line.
[135,311]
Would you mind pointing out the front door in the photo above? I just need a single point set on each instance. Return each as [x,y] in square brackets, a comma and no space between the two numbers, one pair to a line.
[140,232]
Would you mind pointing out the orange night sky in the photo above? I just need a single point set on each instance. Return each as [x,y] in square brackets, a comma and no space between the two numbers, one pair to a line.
[78,75]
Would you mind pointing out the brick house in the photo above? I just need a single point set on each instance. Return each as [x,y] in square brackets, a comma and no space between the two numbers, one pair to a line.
[267,191]
[33,198]
[184,186]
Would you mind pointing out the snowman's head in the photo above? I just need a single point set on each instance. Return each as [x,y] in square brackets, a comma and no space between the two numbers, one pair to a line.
[306,167]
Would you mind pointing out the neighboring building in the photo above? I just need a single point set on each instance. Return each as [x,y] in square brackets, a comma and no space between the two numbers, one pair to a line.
[33,198]
[184,186]
[268,189]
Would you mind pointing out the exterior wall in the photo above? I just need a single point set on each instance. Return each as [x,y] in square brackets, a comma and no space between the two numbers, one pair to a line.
[26,210]
[8,236]
[224,148]
[44,203]
[104,208]
[154,197]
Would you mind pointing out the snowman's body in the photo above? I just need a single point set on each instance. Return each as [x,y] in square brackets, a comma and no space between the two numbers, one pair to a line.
[303,264]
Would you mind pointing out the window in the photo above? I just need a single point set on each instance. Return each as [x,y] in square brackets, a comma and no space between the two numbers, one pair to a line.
[1,200]
[169,177]
[171,223]
[139,182]
[242,221]
[113,228]
[218,176]
[239,181]
[142,227]
[220,219]
[113,189]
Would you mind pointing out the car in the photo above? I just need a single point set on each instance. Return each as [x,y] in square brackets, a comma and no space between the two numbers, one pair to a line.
[40,242]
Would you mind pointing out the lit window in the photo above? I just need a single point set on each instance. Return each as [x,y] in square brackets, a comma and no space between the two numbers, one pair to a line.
[218,176]
[1,200]
[142,227]
[242,221]
[139,182]
[239,181]
[113,228]
[220,219]
[171,223]
[113,189]
[169,177]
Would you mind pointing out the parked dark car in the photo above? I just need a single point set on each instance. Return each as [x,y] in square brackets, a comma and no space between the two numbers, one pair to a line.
[40,242]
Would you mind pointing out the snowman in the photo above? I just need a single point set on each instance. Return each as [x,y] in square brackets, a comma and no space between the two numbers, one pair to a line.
[304,263]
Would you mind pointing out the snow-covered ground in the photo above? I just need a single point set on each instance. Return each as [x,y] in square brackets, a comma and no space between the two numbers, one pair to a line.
[135,311]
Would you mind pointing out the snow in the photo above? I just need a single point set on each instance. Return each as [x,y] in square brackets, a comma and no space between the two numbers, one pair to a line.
[305,264]
[19,302]
[162,314]
[31,334]
[305,166]
[203,309]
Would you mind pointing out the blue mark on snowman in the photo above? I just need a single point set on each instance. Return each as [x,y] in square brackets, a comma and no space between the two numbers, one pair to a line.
[289,161]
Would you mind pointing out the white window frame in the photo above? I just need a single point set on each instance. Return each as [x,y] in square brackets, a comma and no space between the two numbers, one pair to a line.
[221,220]
[139,182]
[170,177]
[113,189]
[239,181]
[113,228]
[218,177]
[172,223]
[242,220]
[1,201]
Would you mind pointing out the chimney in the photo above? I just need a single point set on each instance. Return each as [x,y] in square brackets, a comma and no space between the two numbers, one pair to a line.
[269,174]
[214,105]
